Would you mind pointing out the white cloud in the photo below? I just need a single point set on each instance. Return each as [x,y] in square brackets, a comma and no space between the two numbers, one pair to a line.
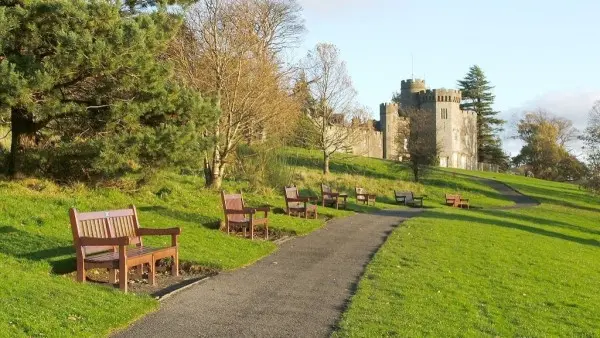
[574,105]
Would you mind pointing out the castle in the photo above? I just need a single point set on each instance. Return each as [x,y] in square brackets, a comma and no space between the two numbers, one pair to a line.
[455,129]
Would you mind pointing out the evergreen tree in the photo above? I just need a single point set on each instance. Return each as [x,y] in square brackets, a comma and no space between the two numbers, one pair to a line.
[478,97]
[88,91]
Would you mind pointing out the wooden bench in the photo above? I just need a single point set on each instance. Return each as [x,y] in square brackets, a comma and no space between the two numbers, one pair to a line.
[457,201]
[113,240]
[238,215]
[297,205]
[408,198]
[329,197]
[362,195]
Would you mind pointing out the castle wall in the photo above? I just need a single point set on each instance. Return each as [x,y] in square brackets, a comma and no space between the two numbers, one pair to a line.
[389,127]
[369,144]
[456,130]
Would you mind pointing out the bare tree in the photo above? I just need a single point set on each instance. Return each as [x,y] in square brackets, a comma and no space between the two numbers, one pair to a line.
[231,51]
[417,136]
[333,94]
[591,138]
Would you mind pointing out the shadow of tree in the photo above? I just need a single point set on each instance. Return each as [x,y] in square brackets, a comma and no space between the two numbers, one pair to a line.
[24,245]
[209,222]
[343,167]
[510,222]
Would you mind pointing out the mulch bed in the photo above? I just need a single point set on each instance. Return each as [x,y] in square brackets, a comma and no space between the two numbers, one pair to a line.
[165,282]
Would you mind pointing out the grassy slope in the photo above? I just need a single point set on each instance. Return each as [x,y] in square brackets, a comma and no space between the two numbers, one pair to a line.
[529,272]
[36,245]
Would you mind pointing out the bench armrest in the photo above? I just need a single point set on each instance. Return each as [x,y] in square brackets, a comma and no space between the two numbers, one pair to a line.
[331,194]
[94,241]
[159,232]
[265,209]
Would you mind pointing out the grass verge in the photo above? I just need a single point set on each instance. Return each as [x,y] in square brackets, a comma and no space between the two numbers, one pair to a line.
[526,272]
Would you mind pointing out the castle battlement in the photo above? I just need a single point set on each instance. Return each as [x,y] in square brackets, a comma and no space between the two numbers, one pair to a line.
[388,108]
[412,83]
[440,95]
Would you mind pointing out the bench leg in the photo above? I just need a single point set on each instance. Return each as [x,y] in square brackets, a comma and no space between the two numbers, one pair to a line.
[123,269]
[267,230]
[175,266]
[152,273]
[123,276]
[112,276]
[140,270]
[80,270]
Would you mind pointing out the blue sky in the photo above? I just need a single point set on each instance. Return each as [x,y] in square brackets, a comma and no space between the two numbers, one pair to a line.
[537,54]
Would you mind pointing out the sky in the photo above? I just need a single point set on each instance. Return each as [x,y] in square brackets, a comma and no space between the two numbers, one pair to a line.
[536,54]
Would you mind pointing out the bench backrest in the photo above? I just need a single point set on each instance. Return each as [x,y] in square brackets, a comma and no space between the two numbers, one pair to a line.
[291,193]
[233,202]
[407,194]
[450,197]
[360,193]
[325,190]
[104,224]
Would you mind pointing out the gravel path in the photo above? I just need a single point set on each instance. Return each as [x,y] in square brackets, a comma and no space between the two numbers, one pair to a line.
[521,201]
[299,291]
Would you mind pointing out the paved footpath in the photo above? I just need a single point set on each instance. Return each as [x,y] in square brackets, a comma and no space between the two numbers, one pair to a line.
[299,291]
[520,200]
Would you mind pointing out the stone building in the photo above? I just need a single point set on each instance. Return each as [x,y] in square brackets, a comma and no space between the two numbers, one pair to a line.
[456,129]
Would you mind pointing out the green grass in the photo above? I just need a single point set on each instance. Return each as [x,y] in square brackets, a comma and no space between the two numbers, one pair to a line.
[36,252]
[529,272]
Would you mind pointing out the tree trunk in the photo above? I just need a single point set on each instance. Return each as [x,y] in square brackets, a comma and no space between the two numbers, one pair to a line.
[416,172]
[21,127]
[325,163]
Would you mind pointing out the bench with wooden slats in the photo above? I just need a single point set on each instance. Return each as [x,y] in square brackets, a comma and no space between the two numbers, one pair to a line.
[457,201]
[113,240]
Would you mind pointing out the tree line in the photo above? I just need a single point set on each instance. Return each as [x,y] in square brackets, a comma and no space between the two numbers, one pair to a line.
[96,90]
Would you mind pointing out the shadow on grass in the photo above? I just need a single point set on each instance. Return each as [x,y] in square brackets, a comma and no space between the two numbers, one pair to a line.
[24,245]
[343,167]
[537,220]
[509,223]
[208,222]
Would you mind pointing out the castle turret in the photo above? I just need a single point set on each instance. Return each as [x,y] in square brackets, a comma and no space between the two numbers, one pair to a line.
[388,113]
[408,92]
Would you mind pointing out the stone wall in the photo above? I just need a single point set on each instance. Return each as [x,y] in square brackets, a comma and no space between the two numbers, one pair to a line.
[369,144]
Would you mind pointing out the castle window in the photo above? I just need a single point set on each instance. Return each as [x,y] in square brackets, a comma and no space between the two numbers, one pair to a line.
[444,113]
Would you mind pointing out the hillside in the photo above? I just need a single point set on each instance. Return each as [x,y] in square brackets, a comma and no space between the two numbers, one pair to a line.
[524,272]
[37,256]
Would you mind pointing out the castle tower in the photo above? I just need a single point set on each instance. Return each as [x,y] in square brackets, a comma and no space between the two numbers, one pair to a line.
[388,113]
[408,92]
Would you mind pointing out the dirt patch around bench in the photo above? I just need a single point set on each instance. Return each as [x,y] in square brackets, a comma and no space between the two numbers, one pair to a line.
[165,283]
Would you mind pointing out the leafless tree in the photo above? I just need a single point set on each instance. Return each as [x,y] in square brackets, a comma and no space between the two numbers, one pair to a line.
[334,105]
[230,51]
[419,132]
[591,138]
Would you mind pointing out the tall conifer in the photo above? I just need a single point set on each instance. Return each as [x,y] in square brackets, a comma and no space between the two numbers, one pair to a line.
[477,96]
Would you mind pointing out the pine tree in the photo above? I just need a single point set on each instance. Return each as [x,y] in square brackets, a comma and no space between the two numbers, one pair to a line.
[478,97]
[88,91]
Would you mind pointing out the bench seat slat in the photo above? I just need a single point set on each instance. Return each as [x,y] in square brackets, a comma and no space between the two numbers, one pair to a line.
[114,256]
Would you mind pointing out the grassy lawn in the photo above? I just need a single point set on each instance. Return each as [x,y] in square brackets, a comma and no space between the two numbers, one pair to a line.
[36,250]
[530,272]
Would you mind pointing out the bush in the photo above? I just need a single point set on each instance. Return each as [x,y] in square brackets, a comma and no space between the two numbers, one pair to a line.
[262,167]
